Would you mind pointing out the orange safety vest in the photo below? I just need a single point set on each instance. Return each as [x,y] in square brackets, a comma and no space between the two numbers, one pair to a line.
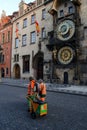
[31,87]
[42,93]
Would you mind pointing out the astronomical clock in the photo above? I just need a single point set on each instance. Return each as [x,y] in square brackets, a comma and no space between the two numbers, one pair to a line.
[65,30]
[65,55]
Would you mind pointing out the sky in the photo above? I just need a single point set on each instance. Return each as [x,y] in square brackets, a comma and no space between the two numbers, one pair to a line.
[10,6]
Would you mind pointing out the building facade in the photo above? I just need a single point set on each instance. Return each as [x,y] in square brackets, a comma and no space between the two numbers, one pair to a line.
[68,41]
[49,41]
[5,45]
[30,36]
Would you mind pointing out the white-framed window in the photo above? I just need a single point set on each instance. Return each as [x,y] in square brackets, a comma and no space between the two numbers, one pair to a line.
[43,33]
[16,42]
[25,23]
[33,37]
[32,18]
[24,40]
[43,13]
[16,58]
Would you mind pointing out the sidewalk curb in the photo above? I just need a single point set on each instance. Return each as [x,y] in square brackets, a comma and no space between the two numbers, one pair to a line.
[73,92]
[57,90]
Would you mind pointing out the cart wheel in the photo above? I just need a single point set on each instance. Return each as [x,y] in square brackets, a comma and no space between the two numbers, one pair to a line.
[33,115]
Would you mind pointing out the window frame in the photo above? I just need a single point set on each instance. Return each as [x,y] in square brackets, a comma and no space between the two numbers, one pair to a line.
[33,19]
[33,38]
[25,23]
[16,42]
[61,13]
[24,40]
[43,14]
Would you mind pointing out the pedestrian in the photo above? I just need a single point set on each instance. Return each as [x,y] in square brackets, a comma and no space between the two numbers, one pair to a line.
[32,89]
[42,90]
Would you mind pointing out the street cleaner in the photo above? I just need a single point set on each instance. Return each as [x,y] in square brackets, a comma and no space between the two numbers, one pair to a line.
[42,90]
[32,90]
[38,103]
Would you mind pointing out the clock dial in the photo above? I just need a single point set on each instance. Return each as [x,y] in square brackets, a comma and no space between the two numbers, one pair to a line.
[65,55]
[65,30]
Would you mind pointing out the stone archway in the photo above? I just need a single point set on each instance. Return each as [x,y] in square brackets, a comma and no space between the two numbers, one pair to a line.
[16,71]
[38,65]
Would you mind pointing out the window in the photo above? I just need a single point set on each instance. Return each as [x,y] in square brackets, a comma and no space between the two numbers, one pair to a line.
[33,37]
[6,70]
[61,13]
[33,19]
[8,36]
[71,9]
[1,58]
[16,57]
[43,13]
[3,37]
[26,63]
[25,23]
[24,40]
[39,2]
[43,33]
[16,42]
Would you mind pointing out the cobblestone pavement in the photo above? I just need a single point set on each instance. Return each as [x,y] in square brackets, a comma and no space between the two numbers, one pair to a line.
[72,89]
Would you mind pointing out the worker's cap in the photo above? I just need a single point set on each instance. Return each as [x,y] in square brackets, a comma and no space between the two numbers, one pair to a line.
[40,80]
[31,78]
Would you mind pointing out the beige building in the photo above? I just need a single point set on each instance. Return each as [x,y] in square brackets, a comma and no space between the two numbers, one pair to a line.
[30,36]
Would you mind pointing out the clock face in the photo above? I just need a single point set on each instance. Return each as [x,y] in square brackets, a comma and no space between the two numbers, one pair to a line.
[65,30]
[65,55]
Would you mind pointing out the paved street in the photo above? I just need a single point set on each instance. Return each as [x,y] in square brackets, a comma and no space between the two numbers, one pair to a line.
[65,111]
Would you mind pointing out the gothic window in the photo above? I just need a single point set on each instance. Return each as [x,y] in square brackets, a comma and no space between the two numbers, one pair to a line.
[26,63]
